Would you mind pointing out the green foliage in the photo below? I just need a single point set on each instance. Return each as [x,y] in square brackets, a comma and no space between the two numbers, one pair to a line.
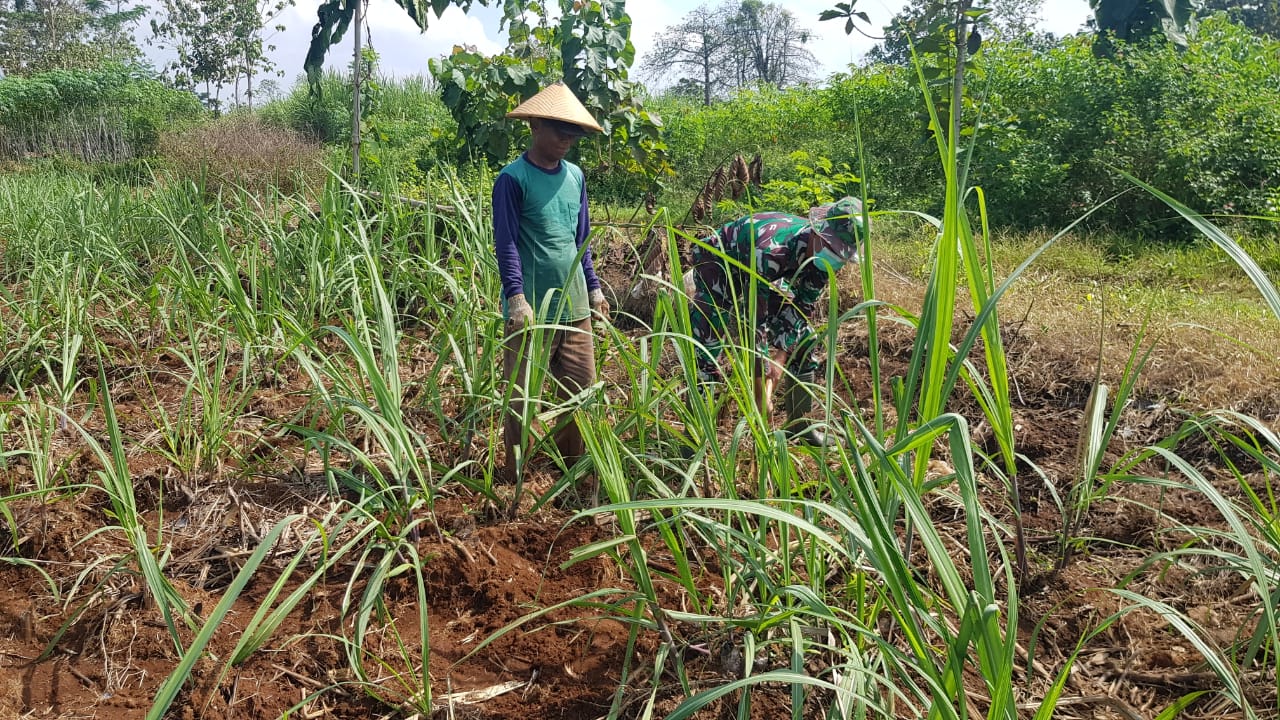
[333,19]
[479,91]
[1260,16]
[926,27]
[1055,123]
[67,35]
[1131,20]
[766,120]
[218,43]
[594,52]
[1201,124]
[407,131]
[323,116]
[816,180]
[110,113]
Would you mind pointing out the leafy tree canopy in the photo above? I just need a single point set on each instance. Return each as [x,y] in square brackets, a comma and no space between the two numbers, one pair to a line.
[1260,16]
[920,19]
[589,47]
[41,35]
[334,17]
[218,42]
[733,45]
[1131,20]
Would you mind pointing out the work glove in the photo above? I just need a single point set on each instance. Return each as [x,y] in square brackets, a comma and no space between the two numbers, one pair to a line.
[598,303]
[519,314]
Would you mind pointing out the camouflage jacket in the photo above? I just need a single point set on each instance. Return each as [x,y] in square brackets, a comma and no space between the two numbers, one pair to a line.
[788,293]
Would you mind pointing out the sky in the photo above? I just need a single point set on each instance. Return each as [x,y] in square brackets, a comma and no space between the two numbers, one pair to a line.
[405,51]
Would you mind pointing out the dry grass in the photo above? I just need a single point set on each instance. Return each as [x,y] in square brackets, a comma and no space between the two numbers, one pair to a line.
[1217,348]
[243,151]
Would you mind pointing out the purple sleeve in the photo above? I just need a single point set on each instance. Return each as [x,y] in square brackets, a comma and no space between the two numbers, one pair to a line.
[584,229]
[506,228]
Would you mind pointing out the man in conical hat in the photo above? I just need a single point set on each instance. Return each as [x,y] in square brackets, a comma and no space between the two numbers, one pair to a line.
[540,224]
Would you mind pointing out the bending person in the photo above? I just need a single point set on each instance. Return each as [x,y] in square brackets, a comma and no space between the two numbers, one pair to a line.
[792,256]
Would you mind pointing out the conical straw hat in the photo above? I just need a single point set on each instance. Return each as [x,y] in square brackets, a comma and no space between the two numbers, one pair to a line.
[556,102]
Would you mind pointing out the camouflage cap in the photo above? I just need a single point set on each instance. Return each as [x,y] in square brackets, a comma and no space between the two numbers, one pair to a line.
[839,224]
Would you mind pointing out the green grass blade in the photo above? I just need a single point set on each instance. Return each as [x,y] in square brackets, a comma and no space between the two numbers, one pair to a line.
[172,685]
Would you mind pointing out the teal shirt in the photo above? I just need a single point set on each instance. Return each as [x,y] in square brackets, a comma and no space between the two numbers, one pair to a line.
[546,239]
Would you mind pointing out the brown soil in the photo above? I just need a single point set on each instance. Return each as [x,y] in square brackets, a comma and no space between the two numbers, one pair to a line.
[81,638]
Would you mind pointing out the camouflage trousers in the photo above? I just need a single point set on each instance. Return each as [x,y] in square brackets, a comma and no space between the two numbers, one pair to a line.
[719,304]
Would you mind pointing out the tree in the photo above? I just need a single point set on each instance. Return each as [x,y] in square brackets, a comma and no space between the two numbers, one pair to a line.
[1013,19]
[333,19]
[1131,20]
[698,45]
[595,54]
[41,35]
[251,19]
[739,43]
[768,45]
[218,43]
[1260,16]
[1005,20]
[590,48]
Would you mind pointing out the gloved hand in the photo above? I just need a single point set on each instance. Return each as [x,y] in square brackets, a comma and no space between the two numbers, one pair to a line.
[598,303]
[519,314]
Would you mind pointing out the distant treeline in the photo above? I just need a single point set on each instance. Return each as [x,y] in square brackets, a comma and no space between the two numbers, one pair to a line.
[1054,123]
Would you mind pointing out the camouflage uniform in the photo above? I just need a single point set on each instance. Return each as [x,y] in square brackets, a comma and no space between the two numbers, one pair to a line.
[783,304]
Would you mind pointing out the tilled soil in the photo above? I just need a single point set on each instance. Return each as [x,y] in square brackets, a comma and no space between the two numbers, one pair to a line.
[80,637]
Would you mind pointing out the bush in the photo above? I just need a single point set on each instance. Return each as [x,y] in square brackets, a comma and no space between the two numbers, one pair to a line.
[241,150]
[406,130]
[323,116]
[772,122]
[1202,125]
[111,114]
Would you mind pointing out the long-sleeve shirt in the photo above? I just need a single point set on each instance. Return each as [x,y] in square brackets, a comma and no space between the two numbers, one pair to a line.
[533,209]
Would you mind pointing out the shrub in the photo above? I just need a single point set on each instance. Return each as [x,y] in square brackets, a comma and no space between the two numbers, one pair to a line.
[765,120]
[241,150]
[323,116]
[406,130]
[111,114]
[1201,124]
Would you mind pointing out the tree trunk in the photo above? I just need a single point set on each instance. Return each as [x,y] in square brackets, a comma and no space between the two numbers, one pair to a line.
[355,96]
[957,80]
[248,69]
[706,77]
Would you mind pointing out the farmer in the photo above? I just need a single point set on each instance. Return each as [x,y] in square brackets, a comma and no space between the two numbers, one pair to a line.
[540,224]
[792,257]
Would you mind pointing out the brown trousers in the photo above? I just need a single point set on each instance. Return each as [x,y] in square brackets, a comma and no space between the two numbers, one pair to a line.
[570,357]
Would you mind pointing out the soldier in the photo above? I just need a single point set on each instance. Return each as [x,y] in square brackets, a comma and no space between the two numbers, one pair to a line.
[792,256]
